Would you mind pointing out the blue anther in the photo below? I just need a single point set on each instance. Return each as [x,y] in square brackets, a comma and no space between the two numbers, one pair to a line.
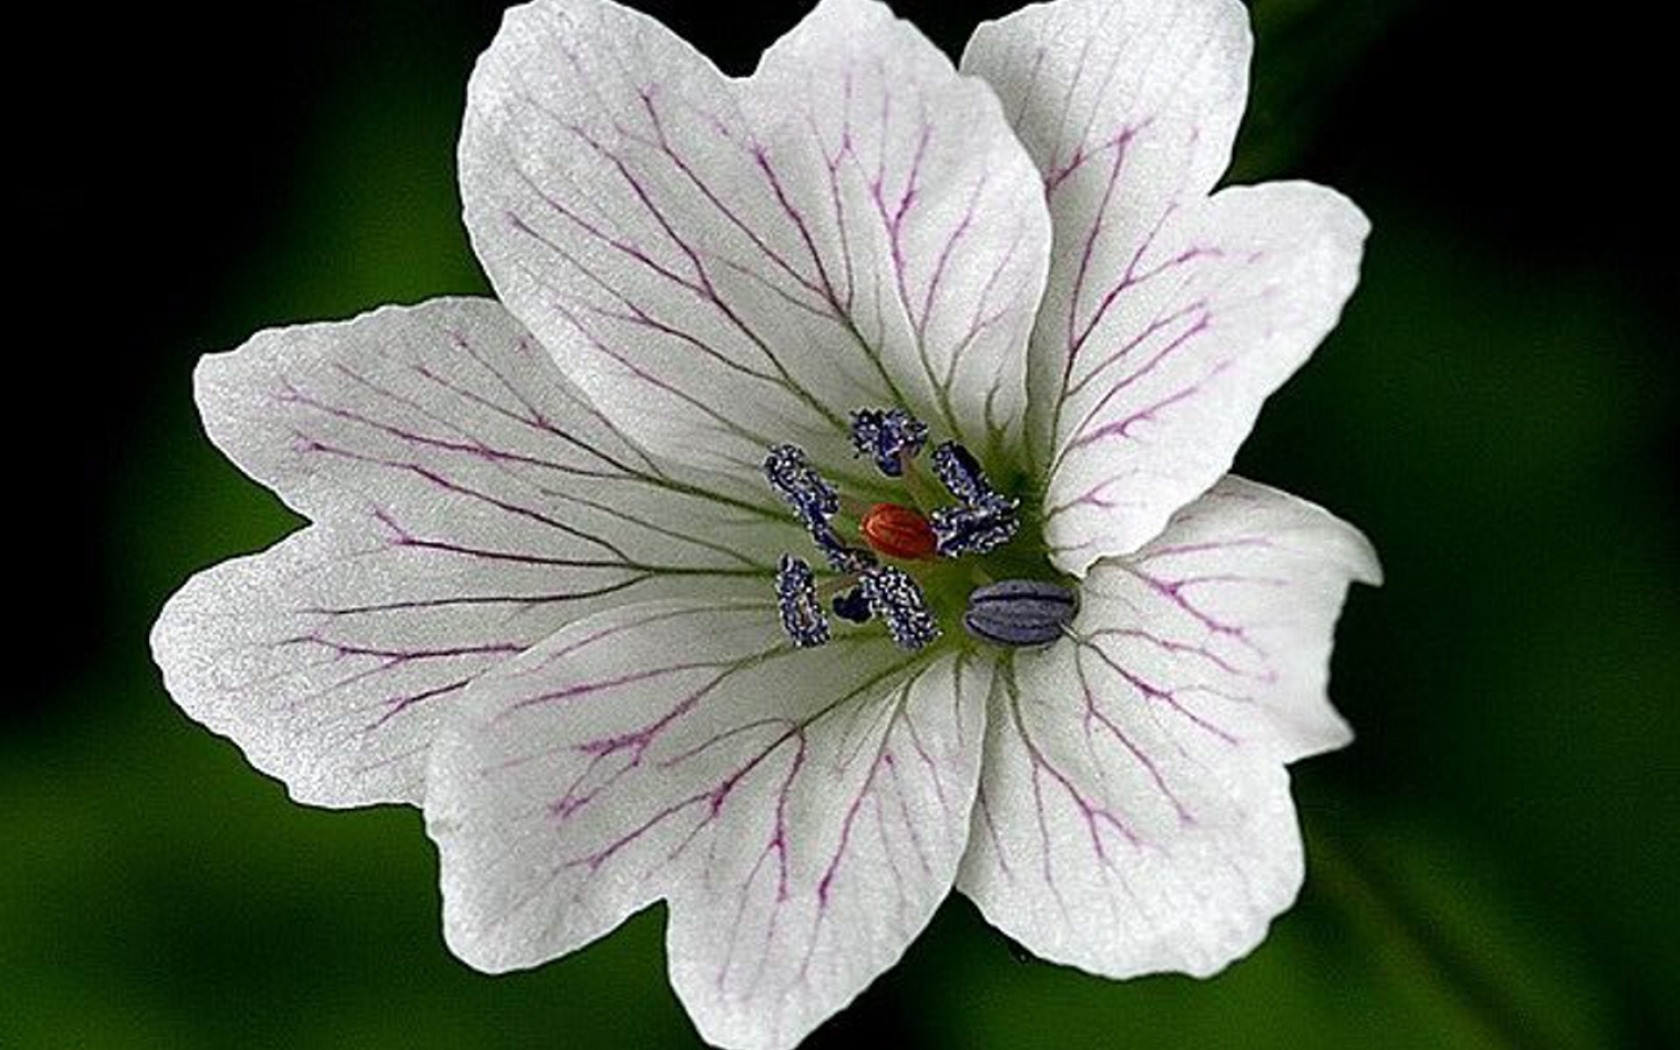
[852,606]
[985,521]
[961,474]
[898,601]
[978,529]
[886,436]
[796,597]
[1020,612]
[794,479]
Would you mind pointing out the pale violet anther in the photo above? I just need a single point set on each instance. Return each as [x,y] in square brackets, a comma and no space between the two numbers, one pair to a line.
[542,593]
[1020,613]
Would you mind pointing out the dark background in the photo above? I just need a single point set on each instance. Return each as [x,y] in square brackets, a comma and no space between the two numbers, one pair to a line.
[1492,863]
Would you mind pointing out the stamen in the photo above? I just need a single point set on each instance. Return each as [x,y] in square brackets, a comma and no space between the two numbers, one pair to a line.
[1015,612]
[800,485]
[899,602]
[985,521]
[796,597]
[889,437]
[1020,612]
[975,529]
[961,474]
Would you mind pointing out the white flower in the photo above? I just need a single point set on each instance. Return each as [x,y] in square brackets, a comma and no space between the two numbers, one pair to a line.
[539,600]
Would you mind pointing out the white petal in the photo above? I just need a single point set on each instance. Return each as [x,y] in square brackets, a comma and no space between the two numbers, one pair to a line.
[1139,96]
[1217,311]
[1168,317]
[1128,109]
[746,261]
[468,504]
[803,811]
[1135,815]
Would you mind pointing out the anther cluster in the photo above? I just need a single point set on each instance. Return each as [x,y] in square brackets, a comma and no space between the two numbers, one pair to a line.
[874,590]
[981,520]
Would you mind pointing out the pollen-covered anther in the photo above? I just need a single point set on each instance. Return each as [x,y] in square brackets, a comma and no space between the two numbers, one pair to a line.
[975,529]
[1020,612]
[889,437]
[986,519]
[896,599]
[961,474]
[796,596]
[798,483]
[899,532]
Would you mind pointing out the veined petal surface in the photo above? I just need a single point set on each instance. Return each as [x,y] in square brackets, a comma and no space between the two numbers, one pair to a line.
[1169,316]
[467,503]
[725,264]
[803,811]
[1134,814]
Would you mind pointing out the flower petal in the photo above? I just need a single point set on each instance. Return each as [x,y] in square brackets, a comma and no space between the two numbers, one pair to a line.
[1169,316]
[1134,814]
[803,811]
[745,261]
[1152,413]
[468,502]
[1127,108]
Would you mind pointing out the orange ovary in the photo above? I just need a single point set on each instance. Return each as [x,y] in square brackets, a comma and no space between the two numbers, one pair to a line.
[898,532]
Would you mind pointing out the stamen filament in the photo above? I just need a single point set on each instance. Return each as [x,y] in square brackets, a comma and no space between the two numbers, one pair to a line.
[917,484]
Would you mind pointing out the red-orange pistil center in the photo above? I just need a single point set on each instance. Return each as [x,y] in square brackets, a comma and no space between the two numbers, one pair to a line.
[898,532]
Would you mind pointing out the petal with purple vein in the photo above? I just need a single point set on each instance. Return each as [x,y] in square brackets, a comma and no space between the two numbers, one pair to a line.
[745,261]
[1211,315]
[468,503]
[1134,814]
[1128,110]
[803,811]
[1168,317]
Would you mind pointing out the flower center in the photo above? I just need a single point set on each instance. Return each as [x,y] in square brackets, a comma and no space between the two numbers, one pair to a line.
[977,521]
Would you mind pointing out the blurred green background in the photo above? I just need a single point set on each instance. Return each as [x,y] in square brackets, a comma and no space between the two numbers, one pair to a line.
[1491,864]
